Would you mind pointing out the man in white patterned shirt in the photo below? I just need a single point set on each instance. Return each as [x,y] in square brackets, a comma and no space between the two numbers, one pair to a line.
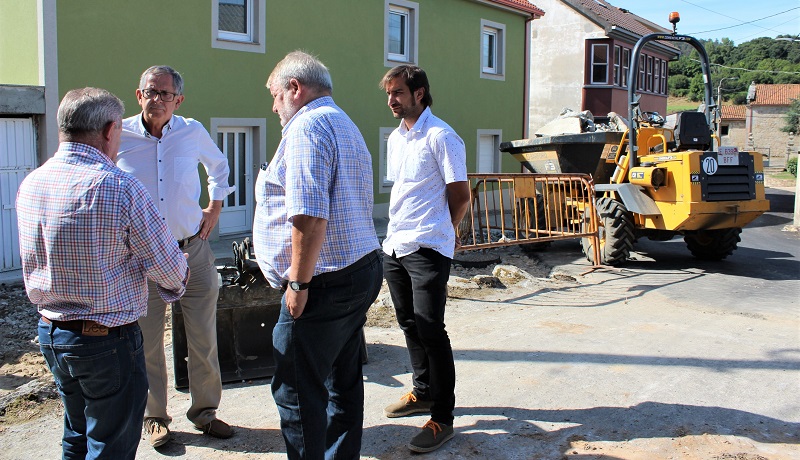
[427,162]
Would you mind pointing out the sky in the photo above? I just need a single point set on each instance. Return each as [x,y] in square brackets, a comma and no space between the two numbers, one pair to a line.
[700,18]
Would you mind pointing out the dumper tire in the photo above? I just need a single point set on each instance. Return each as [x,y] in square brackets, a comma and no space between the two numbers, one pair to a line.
[616,233]
[713,244]
[536,213]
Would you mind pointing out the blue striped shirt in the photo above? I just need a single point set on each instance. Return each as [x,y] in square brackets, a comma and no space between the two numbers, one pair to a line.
[322,169]
[89,238]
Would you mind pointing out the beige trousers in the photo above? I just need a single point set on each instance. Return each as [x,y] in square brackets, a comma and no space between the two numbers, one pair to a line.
[199,307]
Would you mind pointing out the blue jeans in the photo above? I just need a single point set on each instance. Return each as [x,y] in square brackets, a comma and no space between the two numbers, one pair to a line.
[103,385]
[318,385]
[418,286]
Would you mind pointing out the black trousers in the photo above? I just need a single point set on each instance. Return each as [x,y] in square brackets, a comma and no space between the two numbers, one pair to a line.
[418,286]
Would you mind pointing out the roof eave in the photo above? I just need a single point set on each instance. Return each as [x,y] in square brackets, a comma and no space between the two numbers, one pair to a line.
[625,34]
[533,11]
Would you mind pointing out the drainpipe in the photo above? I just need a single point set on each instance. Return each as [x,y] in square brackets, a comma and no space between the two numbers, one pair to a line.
[526,84]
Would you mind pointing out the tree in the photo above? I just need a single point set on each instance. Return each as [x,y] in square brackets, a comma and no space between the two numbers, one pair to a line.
[792,117]
[763,58]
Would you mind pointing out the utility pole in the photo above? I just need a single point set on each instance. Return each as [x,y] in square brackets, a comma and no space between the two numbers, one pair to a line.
[719,106]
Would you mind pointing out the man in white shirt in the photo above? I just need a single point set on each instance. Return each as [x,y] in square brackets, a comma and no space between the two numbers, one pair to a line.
[163,151]
[430,195]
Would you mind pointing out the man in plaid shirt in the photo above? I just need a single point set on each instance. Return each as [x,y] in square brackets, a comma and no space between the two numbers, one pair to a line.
[314,236]
[90,238]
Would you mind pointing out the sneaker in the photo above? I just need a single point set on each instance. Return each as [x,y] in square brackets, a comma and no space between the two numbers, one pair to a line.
[432,437]
[157,430]
[407,405]
[216,429]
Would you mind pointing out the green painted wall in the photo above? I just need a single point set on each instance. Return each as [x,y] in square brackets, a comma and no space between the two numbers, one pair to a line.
[19,43]
[108,43]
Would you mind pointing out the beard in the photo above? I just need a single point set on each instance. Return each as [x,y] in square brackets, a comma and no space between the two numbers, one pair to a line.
[288,111]
[405,110]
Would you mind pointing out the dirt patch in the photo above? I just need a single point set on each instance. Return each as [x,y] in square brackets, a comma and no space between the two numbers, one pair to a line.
[26,387]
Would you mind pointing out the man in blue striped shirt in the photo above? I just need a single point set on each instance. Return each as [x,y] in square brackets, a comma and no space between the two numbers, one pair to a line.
[314,237]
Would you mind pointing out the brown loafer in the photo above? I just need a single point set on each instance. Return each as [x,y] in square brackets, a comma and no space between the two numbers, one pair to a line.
[216,429]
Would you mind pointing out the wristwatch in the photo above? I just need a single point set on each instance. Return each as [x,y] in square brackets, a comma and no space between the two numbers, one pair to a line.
[298,286]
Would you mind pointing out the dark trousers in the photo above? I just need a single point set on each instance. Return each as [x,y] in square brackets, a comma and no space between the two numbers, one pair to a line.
[103,386]
[318,384]
[418,285]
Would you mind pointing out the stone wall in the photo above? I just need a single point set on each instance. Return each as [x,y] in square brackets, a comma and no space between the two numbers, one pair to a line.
[765,125]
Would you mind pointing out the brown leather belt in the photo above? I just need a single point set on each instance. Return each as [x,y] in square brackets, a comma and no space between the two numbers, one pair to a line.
[186,241]
[85,327]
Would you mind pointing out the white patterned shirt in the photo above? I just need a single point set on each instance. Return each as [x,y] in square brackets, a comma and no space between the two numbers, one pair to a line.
[422,161]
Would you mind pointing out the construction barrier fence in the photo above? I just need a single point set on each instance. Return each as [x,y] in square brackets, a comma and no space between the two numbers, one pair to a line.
[524,208]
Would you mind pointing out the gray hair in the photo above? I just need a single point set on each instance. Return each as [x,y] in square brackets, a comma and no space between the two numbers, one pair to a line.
[87,111]
[177,80]
[303,67]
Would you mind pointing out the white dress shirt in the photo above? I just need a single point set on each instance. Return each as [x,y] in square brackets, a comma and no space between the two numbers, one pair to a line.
[168,169]
[422,161]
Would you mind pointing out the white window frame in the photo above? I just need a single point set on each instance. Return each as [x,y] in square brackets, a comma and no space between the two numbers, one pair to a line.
[497,160]
[626,66]
[411,11]
[664,67]
[617,65]
[657,75]
[257,129]
[384,184]
[498,71]
[595,47]
[649,74]
[642,72]
[254,41]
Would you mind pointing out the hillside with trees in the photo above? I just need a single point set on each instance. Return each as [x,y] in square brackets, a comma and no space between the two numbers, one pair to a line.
[763,60]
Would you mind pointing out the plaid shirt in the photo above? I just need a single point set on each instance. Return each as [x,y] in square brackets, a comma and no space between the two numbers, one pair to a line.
[90,237]
[322,168]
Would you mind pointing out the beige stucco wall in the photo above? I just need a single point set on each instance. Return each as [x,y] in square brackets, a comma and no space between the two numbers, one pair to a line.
[765,123]
[737,134]
[557,61]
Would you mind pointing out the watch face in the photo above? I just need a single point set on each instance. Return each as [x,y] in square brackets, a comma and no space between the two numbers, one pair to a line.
[296,286]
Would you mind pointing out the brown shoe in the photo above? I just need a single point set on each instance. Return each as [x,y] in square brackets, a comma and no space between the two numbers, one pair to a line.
[216,429]
[157,430]
[407,405]
[432,437]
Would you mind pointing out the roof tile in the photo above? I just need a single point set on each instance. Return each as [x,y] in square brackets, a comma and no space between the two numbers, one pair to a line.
[733,112]
[776,94]
[619,17]
[522,5]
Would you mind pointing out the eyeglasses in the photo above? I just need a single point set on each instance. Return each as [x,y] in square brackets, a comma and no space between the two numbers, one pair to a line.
[165,96]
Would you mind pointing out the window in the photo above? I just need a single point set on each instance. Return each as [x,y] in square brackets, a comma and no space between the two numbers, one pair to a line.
[723,130]
[599,64]
[243,142]
[649,73]
[657,76]
[617,66]
[238,25]
[640,83]
[663,77]
[626,65]
[400,41]
[488,160]
[384,184]
[493,46]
